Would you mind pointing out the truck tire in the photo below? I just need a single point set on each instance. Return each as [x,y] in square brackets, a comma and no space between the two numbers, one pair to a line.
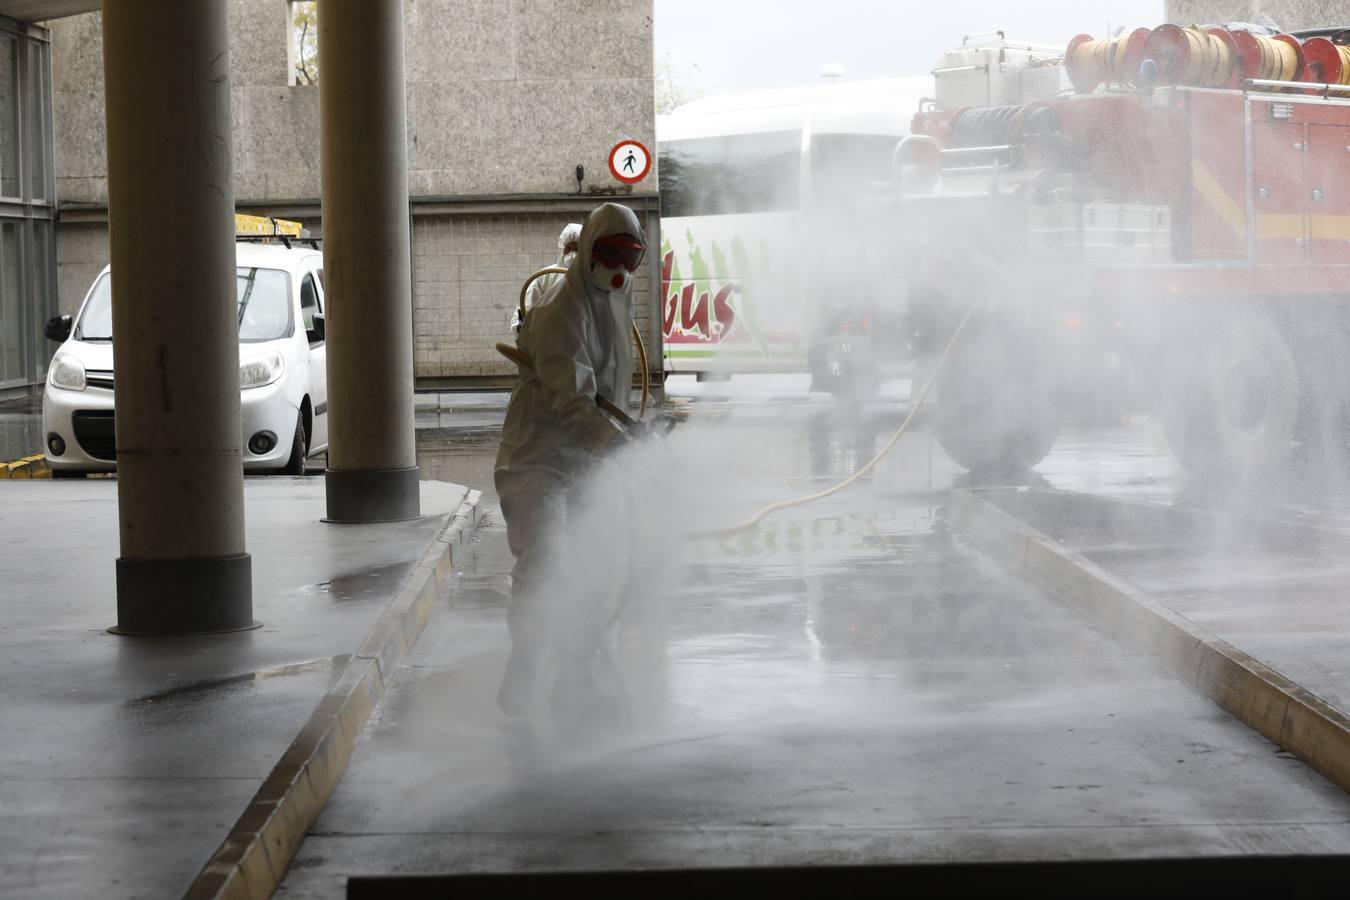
[295,465]
[995,403]
[1231,403]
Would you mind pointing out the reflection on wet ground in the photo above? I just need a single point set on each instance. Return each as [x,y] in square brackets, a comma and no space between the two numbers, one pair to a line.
[332,665]
[20,429]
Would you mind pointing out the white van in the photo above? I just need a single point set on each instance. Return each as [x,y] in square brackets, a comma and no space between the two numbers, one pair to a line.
[283,400]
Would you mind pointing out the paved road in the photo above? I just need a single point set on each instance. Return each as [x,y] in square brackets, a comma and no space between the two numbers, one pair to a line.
[846,683]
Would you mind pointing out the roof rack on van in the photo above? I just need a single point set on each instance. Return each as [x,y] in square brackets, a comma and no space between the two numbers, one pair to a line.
[267,228]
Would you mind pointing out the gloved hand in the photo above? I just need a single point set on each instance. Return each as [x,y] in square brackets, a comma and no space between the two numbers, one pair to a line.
[655,428]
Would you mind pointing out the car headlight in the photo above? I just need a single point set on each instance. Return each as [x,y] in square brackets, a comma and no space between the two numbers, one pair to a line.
[67,374]
[261,370]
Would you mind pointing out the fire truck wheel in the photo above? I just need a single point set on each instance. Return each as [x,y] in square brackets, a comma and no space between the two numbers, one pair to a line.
[1234,406]
[995,411]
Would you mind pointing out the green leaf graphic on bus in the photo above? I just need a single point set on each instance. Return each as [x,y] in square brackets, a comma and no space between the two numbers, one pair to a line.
[691,315]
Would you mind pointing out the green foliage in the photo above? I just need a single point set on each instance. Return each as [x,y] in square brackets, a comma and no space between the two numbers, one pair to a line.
[675,84]
[305,40]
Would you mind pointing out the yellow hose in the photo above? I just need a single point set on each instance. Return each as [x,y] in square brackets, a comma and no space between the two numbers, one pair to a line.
[521,358]
[1278,60]
[1101,60]
[821,495]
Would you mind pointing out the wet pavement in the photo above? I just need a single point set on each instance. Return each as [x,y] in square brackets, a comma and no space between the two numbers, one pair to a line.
[20,429]
[124,761]
[847,683]
[1274,589]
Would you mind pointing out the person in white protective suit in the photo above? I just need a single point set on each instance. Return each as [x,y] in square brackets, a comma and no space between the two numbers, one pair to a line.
[567,248]
[555,436]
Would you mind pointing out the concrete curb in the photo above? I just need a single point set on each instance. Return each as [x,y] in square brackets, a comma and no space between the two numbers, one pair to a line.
[254,856]
[1291,716]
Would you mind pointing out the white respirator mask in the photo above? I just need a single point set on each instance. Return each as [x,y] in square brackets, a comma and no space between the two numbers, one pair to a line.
[614,259]
[609,280]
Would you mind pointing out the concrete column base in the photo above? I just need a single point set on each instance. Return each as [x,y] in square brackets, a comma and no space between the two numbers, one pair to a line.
[184,596]
[357,496]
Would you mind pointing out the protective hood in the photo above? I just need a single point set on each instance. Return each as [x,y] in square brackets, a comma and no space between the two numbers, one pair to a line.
[614,308]
[571,233]
[603,221]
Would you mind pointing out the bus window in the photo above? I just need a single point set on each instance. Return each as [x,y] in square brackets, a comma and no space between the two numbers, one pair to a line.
[746,173]
[844,166]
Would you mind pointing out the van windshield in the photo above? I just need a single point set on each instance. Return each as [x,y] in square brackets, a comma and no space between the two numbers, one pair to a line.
[264,307]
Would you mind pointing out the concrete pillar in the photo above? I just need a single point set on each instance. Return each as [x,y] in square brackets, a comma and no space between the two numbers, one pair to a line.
[372,472]
[180,486]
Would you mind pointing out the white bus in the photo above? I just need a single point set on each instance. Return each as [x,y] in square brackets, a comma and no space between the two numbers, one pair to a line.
[757,192]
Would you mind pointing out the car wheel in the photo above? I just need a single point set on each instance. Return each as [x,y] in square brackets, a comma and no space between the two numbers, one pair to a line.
[296,464]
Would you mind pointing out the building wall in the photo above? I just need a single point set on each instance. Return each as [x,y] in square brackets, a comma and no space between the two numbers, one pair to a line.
[482,257]
[505,99]
[1290,15]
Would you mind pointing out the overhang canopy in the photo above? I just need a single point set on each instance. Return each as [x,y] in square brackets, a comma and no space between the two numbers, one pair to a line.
[40,10]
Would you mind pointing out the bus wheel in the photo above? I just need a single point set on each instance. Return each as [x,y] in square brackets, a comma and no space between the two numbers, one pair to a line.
[1231,404]
[995,410]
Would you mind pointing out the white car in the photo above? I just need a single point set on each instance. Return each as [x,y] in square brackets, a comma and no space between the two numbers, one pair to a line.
[283,401]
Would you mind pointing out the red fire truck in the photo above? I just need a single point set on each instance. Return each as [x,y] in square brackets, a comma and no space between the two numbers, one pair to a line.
[1159,220]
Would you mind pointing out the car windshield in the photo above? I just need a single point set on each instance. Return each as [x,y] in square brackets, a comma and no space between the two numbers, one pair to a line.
[264,304]
[96,323]
[264,297]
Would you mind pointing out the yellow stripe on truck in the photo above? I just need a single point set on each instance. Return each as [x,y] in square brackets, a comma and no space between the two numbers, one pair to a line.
[1269,226]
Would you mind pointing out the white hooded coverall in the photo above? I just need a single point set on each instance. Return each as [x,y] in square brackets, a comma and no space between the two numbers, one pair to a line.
[538,288]
[578,337]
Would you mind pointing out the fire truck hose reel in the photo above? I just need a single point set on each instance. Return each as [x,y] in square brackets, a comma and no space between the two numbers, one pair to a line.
[1203,57]
[1278,58]
[1116,61]
[1191,56]
[1327,62]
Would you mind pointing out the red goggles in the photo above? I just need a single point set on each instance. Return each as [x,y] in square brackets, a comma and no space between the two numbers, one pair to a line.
[618,251]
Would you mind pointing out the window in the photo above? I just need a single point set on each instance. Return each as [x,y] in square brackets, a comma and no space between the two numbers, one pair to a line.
[745,173]
[96,321]
[264,304]
[845,166]
[302,46]
[309,307]
[11,304]
[27,269]
[37,93]
[10,186]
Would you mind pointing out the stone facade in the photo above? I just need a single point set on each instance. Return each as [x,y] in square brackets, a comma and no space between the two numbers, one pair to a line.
[505,99]
[1291,15]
